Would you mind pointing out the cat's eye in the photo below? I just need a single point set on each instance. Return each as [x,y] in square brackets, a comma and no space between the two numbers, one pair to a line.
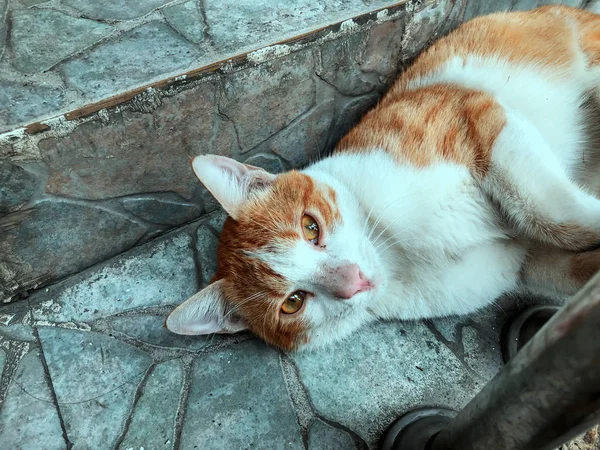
[293,303]
[310,229]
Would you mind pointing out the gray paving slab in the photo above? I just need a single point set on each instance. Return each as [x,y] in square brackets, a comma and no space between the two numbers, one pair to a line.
[114,9]
[95,378]
[159,273]
[41,38]
[153,422]
[29,419]
[239,399]
[143,54]
[385,370]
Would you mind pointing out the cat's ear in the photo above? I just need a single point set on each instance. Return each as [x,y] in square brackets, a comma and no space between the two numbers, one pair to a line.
[231,182]
[204,313]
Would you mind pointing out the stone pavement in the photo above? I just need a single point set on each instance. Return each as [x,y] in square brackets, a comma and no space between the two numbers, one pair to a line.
[87,361]
[58,55]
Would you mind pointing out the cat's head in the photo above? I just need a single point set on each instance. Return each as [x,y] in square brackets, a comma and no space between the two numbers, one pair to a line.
[294,265]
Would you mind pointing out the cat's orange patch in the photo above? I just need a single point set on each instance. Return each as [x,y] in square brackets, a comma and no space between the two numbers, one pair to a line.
[437,123]
[447,122]
[271,221]
[543,36]
[584,266]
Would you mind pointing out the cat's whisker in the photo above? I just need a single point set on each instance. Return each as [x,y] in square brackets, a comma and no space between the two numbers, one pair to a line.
[382,213]
[386,228]
[263,226]
[243,302]
[389,238]
[367,219]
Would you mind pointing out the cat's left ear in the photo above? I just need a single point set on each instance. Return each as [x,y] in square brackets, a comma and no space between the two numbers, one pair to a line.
[204,313]
[231,182]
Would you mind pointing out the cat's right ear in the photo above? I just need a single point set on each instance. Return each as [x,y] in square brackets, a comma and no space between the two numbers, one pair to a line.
[229,181]
[204,313]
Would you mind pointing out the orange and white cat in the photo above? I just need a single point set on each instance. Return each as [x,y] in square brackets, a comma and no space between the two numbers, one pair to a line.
[471,178]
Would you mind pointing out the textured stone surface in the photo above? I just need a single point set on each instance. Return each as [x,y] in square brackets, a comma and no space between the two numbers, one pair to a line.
[268,162]
[480,8]
[150,329]
[341,68]
[588,441]
[25,101]
[236,24]
[227,410]
[56,239]
[271,95]
[304,140]
[17,332]
[187,19]
[42,37]
[16,186]
[383,47]
[162,211]
[95,378]
[162,389]
[28,419]
[114,9]
[33,2]
[3,9]
[525,5]
[142,54]
[158,273]
[429,18]
[137,152]
[349,112]
[403,366]
[207,243]
[322,435]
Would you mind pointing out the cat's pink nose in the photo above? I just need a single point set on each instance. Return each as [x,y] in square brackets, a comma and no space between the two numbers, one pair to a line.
[349,281]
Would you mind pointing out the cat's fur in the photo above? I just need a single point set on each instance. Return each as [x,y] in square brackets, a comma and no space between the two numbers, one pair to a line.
[471,178]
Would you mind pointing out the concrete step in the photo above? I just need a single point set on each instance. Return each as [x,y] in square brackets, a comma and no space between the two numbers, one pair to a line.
[64,57]
[113,172]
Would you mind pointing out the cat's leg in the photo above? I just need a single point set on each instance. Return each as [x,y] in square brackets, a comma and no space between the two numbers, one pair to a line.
[534,194]
[558,273]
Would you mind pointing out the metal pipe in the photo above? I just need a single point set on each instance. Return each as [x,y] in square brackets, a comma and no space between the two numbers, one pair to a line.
[546,395]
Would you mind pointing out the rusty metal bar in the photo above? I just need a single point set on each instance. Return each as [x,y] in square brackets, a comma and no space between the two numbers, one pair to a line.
[546,395]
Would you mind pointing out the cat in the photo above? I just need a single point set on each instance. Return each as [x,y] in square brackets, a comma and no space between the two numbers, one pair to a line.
[471,178]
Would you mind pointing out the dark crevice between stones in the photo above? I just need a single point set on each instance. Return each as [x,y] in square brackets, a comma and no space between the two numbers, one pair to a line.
[206,32]
[176,31]
[138,393]
[305,410]
[8,47]
[68,443]
[158,353]
[298,396]
[186,364]
[225,117]
[14,354]
[193,233]
[457,348]
[75,13]
[358,441]
[294,121]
